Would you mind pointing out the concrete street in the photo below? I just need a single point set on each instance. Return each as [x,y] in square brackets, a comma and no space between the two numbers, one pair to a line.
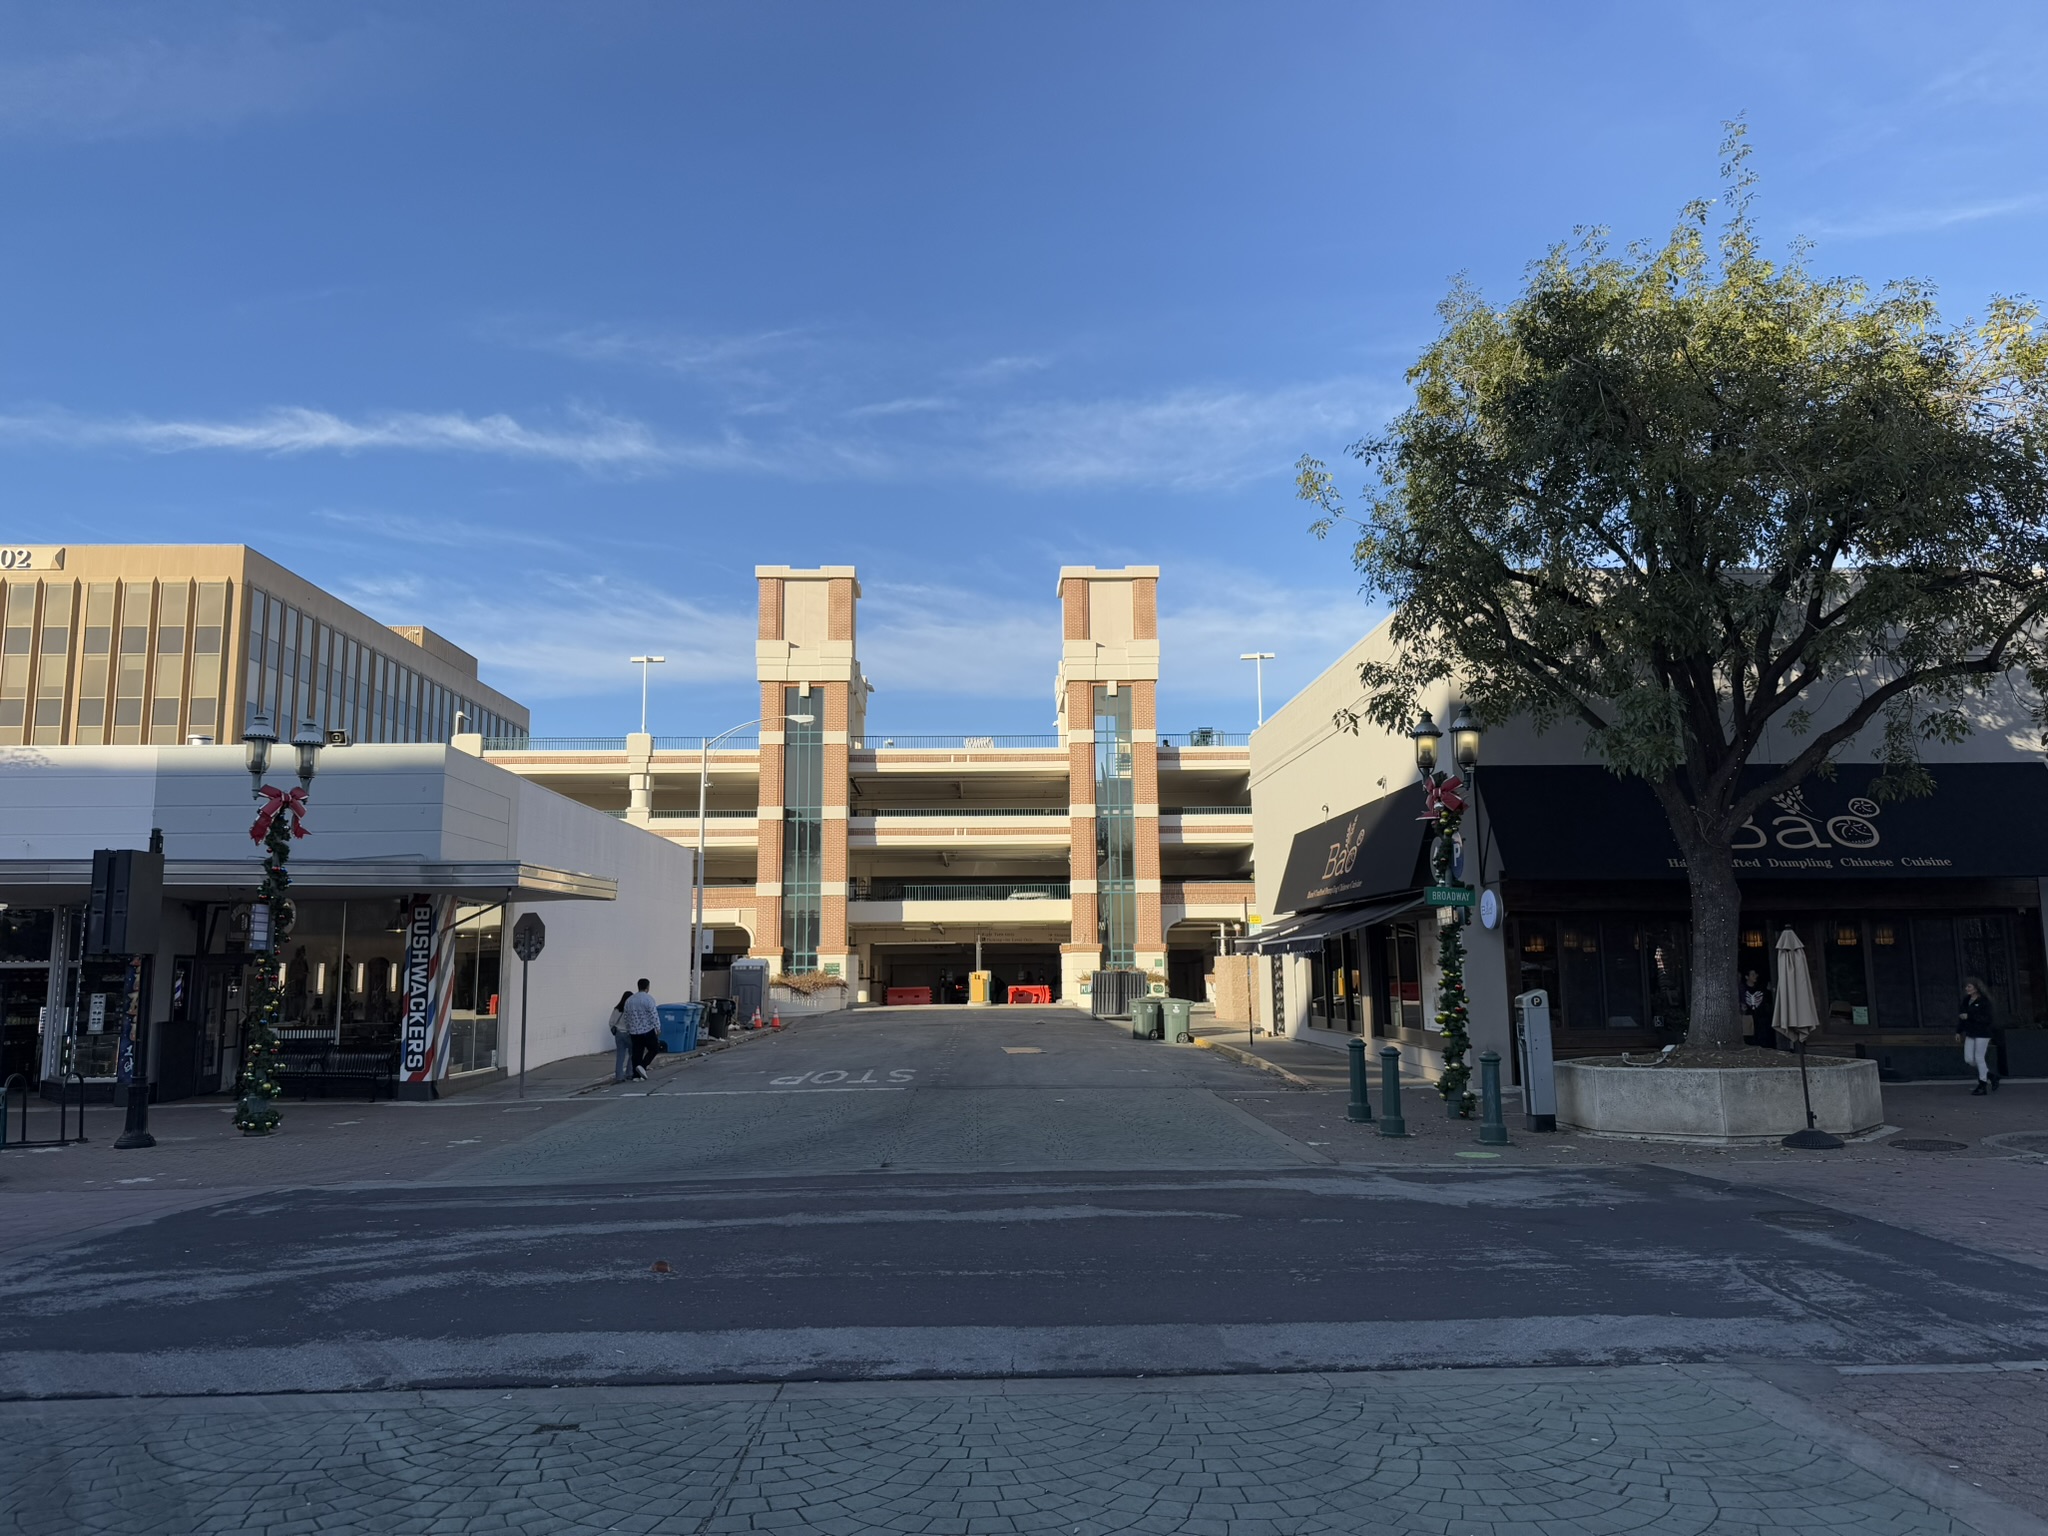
[925,1272]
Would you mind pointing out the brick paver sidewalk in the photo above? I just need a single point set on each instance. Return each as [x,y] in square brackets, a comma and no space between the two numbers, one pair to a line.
[1508,1453]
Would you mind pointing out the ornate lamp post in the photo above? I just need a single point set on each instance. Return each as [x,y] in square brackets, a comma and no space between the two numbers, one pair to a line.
[1444,805]
[280,818]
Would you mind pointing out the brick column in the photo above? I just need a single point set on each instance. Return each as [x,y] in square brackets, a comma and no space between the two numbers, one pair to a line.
[768,829]
[833,949]
[1082,953]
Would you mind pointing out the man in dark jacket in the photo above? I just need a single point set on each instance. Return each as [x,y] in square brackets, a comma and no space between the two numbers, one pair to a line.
[643,1025]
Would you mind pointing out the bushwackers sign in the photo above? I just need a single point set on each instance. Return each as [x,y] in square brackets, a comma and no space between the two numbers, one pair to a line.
[423,1027]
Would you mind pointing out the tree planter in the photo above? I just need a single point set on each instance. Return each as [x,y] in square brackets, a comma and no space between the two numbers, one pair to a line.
[1716,1106]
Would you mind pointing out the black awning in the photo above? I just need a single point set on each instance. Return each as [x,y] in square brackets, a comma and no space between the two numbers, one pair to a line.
[1305,933]
[1983,821]
[1372,851]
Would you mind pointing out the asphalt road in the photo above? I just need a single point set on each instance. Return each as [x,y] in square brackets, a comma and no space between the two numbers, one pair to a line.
[967,1196]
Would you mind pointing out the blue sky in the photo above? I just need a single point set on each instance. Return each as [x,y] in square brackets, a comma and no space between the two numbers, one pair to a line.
[544,324]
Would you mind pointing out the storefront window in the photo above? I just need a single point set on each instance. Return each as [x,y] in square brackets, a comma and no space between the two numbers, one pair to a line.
[473,1029]
[1403,960]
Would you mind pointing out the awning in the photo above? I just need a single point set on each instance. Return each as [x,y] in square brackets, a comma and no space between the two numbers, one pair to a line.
[1298,935]
[1372,852]
[1982,821]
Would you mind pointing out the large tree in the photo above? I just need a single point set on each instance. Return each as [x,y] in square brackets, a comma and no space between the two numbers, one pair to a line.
[1669,495]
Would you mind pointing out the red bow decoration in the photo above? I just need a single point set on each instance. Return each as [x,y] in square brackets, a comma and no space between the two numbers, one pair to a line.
[1441,796]
[275,801]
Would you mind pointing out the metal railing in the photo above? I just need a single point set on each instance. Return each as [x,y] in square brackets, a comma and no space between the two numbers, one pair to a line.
[14,1094]
[696,744]
[554,743]
[954,743]
[1208,810]
[1206,736]
[993,890]
[751,813]
[961,810]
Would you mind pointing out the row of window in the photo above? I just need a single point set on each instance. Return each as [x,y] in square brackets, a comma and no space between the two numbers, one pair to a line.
[300,669]
[111,662]
[1901,971]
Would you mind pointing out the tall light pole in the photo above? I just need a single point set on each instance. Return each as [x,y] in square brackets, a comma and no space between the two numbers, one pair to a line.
[697,906]
[1258,659]
[645,664]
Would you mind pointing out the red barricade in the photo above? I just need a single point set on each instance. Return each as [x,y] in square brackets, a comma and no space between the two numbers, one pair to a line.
[908,997]
[1031,995]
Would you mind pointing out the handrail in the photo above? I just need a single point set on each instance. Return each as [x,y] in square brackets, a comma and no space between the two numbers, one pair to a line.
[872,742]
[995,890]
[961,810]
[1205,736]
[1206,810]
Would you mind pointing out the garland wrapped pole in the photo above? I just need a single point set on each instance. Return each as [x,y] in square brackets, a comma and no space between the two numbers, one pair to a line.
[281,819]
[1444,805]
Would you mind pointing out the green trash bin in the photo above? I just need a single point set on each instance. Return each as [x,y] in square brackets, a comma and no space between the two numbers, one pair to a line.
[1145,1018]
[1179,1016]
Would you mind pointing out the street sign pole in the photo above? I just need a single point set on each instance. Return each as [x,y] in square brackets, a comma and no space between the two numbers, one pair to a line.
[529,937]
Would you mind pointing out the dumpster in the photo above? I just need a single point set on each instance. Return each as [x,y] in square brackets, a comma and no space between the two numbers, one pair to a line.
[679,1026]
[718,1017]
[1179,1014]
[1145,1018]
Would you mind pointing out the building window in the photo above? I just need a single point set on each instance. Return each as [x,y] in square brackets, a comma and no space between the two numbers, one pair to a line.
[803,828]
[94,668]
[53,665]
[132,667]
[1116,830]
[167,687]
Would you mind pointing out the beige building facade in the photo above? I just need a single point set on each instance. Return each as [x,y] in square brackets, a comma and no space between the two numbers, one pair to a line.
[901,864]
[127,645]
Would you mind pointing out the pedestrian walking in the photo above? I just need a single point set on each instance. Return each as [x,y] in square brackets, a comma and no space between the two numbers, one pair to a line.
[1973,1027]
[1756,1003]
[622,1041]
[643,1023]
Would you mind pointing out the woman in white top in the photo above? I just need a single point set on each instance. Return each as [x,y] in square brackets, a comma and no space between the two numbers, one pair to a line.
[622,1042]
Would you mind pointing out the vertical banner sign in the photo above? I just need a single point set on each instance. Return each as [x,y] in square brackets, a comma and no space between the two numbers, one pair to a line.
[429,988]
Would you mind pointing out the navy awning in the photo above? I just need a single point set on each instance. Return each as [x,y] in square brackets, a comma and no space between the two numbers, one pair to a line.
[1370,852]
[1298,935]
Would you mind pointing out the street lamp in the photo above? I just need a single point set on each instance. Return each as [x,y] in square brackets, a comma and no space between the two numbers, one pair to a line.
[1258,659]
[1426,737]
[258,737]
[1465,735]
[279,819]
[703,785]
[645,664]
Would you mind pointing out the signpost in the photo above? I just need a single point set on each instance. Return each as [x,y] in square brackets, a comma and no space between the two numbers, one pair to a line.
[529,938]
[1448,896]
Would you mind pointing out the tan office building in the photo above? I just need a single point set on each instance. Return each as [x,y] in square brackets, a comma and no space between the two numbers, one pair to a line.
[895,862]
[158,644]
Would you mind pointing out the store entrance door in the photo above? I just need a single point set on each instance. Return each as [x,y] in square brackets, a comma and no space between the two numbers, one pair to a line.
[23,991]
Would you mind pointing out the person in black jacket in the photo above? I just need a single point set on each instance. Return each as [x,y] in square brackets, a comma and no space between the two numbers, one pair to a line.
[1973,1027]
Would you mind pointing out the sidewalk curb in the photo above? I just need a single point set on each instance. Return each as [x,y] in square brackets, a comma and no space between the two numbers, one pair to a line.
[1239,1054]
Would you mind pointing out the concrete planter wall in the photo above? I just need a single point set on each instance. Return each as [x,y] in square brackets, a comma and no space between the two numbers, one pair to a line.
[1716,1106]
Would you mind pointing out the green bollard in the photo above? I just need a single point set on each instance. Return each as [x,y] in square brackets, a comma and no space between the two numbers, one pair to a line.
[1493,1130]
[1391,1123]
[1360,1110]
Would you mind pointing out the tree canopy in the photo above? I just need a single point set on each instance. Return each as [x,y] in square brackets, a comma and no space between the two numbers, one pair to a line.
[1669,493]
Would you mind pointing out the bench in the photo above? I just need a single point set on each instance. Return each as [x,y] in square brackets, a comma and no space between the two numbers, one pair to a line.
[301,1067]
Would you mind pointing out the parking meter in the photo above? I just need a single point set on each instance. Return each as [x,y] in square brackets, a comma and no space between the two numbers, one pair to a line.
[1532,1044]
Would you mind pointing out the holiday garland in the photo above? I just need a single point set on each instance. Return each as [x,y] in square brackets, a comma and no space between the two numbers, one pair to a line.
[1453,1012]
[279,822]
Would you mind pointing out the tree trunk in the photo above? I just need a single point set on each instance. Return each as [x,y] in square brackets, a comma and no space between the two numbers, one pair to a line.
[1716,940]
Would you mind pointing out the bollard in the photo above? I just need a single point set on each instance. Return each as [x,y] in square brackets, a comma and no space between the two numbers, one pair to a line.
[1360,1110]
[1391,1123]
[1493,1130]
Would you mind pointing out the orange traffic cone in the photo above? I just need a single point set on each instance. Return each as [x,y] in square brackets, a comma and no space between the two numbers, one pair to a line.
[757,1020]
[776,1022]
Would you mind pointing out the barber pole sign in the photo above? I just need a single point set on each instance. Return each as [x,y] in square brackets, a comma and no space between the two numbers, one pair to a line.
[429,988]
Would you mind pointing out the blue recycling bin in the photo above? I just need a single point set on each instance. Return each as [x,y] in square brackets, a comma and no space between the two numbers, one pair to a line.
[679,1022]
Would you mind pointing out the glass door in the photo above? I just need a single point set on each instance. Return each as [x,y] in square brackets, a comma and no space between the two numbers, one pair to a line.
[23,991]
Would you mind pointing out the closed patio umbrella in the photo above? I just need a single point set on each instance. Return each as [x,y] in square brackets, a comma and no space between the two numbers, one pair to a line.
[1797,1017]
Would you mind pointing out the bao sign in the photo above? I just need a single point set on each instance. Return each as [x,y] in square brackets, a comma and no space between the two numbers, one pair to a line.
[529,936]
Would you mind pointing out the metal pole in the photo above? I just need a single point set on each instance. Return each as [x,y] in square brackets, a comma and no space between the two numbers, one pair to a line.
[341,971]
[644,670]
[1391,1122]
[1259,674]
[1359,1112]
[697,924]
[136,1131]
[525,1008]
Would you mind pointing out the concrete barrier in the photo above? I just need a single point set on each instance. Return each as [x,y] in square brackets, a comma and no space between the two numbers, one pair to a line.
[1716,1106]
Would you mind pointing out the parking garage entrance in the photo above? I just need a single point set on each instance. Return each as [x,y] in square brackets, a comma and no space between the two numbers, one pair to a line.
[937,973]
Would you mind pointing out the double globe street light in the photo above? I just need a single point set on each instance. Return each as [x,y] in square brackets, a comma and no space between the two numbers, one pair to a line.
[279,820]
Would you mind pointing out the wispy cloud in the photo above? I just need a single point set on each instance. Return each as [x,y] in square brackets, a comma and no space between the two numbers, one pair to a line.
[592,441]
[148,85]
[1880,223]
[1189,439]
[745,359]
